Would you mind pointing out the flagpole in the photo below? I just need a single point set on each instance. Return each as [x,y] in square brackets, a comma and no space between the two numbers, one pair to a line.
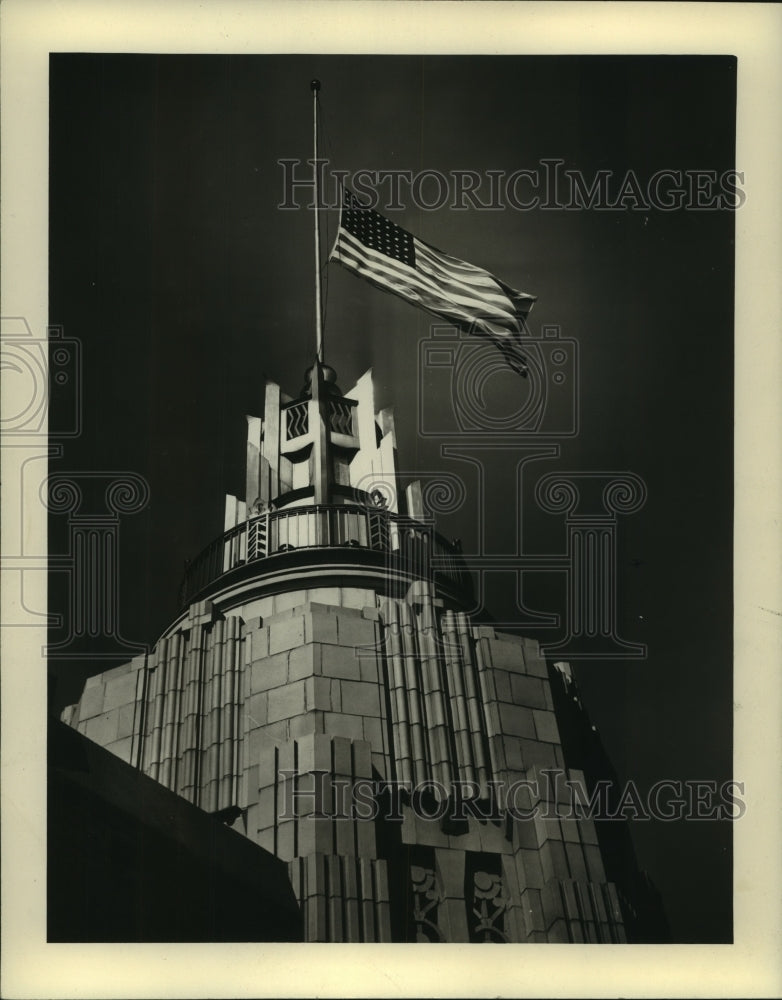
[315,86]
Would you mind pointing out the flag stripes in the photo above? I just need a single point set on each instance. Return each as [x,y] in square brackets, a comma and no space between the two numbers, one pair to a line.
[395,261]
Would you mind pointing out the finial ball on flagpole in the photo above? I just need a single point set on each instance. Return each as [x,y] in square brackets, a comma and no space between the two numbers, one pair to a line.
[315,85]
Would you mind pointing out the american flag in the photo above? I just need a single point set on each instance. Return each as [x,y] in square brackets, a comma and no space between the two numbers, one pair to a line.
[392,259]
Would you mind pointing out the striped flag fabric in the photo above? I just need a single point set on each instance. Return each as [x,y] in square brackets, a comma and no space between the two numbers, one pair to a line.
[370,245]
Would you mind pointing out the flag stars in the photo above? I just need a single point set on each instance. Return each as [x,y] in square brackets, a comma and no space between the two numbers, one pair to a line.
[378,233]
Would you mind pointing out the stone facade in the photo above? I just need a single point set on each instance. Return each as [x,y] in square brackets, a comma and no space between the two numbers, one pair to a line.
[344,712]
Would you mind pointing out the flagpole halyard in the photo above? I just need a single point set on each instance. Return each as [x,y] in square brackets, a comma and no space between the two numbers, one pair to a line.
[315,87]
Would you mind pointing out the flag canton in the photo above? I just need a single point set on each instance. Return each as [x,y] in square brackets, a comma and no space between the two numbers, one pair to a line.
[376,232]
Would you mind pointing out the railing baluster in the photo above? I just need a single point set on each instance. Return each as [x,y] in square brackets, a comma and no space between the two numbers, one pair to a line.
[416,545]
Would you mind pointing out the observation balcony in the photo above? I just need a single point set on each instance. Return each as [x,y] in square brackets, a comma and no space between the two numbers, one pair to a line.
[404,545]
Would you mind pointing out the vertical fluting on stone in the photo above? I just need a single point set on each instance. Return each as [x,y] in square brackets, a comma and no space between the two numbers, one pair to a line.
[474,701]
[496,761]
[461,721]
[156,730]
[139,716]
[170,724]
[237,756]
[437,718]
[224,763]
[191,682]
[402,750]
[413,689]
[420,668]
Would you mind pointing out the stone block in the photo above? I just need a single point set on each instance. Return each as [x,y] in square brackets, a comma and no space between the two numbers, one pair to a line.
[320,624]
[359,698]
[286,839]
[93,681]
[313,752]
[103,729]
[536,754]
[362,758]
[379,763]
[285,633]
[264,839]
[122,749]
[530,868]
[576,863]
[558,933]
[381,881]
[258,611]
[340,662]
[428,832]
[256,709]
[533,909]
[535,664]
[324,597]
[252,783]
[493,839]
[517,721]
[126,722]
[369,667]
[69,715]
[502,685]
[337,724]
[269,673]
[366,845]
[373,733]
[546,726]
[315,835]
[355,597]
[513,755]
[303,725]
[341,757]
[121,671]
[570,833]
[259,643]
[510,876]
[452,920]
[449,865]
[267,809]
[91,702]
[594,863]
[493,725]
[528,691]
[344,838]
[335,697]
[546,828]
[278,732]
[507,653]
[315,917]
[304,661]
[289,601]
[371,614]
[554,860]
[525,834]
[355,630]
[318,694]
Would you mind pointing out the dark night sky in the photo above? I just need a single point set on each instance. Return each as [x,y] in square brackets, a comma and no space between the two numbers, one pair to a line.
[186,285]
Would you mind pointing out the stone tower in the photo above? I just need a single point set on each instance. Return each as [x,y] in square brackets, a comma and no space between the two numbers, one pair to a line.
[325,692]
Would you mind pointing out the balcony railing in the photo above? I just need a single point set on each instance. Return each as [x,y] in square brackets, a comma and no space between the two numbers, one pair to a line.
[409,544]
